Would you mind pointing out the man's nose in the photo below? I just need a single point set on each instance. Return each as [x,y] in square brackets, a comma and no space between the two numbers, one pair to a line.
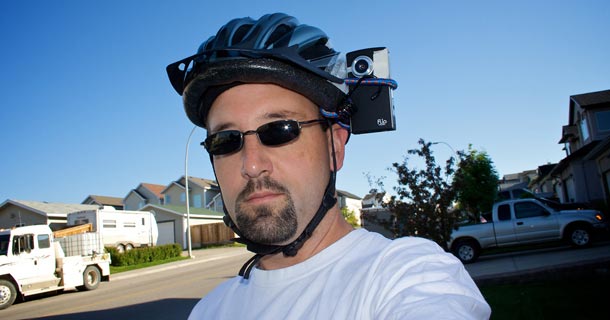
[255,160]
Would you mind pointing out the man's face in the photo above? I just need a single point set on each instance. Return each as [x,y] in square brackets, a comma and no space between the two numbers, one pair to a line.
[271,192]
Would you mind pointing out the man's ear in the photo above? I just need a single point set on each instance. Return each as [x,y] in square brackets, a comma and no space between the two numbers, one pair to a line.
[340,136]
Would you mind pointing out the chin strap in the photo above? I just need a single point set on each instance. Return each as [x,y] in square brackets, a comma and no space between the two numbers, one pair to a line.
[291,249]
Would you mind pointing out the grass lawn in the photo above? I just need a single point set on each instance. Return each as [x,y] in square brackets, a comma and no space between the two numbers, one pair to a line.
[114,269]
[584,298]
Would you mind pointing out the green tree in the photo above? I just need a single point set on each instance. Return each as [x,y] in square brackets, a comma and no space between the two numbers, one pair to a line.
[422,206]
[475,182]
[350,217]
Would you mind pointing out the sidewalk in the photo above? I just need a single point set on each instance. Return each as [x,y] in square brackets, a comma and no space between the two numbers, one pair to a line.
[492,269]
[199,256]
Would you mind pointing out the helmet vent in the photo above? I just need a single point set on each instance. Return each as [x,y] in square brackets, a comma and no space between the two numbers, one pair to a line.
[277,34]
[240,33]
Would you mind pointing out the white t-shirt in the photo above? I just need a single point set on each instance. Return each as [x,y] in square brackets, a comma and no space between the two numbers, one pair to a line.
[361,276]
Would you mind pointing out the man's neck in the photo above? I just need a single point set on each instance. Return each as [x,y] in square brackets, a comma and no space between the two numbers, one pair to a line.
[332,228]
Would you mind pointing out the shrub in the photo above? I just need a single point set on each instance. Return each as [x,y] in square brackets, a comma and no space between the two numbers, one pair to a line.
[144,254]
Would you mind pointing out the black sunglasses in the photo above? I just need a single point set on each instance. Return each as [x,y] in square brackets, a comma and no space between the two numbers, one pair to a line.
[270,134]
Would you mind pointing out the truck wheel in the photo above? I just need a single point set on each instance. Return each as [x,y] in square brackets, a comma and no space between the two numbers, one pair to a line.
[466,250]
[579,236]
[7,294]
[91,278]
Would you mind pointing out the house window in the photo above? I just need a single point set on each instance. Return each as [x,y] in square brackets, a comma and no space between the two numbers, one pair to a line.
[584,129]
[197,201]
[141,204]
[168,199]
[182,197]
[603,120]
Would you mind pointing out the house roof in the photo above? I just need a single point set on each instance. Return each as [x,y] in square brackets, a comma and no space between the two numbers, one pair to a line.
[348,195]
[105,200]
[578,154]
[374,195]
[203,183]
[601,147]
[137,193]
[156,189]
[49,208]
[181,210]
[592,99]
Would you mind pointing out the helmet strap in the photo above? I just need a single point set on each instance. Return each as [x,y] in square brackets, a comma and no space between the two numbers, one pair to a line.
[291,249]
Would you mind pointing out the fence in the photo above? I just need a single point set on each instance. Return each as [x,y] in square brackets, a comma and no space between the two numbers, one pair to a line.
[207,234]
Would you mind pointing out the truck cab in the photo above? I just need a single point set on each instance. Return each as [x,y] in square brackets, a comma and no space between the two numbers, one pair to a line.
[33,262]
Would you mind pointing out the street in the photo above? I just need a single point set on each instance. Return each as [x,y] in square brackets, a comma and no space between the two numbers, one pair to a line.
[170,291]
[162,292]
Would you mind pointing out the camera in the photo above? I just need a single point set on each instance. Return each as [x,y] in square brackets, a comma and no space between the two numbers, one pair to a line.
[373,105]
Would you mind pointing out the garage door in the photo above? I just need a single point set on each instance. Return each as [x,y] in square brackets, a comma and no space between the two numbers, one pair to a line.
[166,233]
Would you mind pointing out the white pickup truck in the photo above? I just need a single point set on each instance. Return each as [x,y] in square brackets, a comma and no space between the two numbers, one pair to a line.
[526,221]
[33,261]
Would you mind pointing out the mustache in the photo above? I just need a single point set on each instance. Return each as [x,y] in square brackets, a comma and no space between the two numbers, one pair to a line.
[259,184]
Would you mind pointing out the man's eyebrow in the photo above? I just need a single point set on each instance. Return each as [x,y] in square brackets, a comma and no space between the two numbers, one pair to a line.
[221,127]
[283,114]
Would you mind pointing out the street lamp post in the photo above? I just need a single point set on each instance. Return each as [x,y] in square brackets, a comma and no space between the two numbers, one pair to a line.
[448,145]
[186,186]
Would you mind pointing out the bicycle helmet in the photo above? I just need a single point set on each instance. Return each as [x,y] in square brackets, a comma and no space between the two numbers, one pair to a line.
[275,49]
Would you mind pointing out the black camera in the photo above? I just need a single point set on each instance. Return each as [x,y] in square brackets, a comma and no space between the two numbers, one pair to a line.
[372,105]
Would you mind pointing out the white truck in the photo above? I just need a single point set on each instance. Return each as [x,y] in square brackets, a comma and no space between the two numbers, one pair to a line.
[122,229]
[527,221]
[33,261]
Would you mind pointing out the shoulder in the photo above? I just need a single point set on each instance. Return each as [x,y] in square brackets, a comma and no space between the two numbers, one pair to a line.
[412,276]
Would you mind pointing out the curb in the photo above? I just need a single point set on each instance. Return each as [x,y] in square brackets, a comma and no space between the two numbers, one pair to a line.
[584,269]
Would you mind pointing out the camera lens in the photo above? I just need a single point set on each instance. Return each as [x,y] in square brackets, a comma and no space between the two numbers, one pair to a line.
[362,66]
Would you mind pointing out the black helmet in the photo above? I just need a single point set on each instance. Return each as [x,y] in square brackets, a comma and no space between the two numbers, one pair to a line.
[274,49]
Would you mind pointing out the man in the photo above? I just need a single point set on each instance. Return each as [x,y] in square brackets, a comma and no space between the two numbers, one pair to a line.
[270,93]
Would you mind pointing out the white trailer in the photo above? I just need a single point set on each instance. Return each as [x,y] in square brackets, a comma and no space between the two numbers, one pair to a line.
[32,261]
[121,229]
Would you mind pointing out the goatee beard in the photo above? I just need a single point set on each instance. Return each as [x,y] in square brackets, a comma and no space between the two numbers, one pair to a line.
[267,223]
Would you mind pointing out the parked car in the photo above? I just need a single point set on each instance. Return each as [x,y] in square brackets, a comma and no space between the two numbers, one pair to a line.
[526,221]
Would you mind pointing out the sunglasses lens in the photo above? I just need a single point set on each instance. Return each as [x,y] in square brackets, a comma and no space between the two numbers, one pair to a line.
[223,142]
[278,132]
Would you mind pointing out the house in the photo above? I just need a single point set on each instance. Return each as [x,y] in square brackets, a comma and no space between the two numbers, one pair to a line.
[143,194]
[351,202]
[517,180]
[203,193]
[172,221]
[584,174]
[374,217]
[542,185]
[101,201]
[375,199]
[20,212]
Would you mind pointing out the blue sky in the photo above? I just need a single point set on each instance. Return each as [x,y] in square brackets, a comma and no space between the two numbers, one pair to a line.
[86,107]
